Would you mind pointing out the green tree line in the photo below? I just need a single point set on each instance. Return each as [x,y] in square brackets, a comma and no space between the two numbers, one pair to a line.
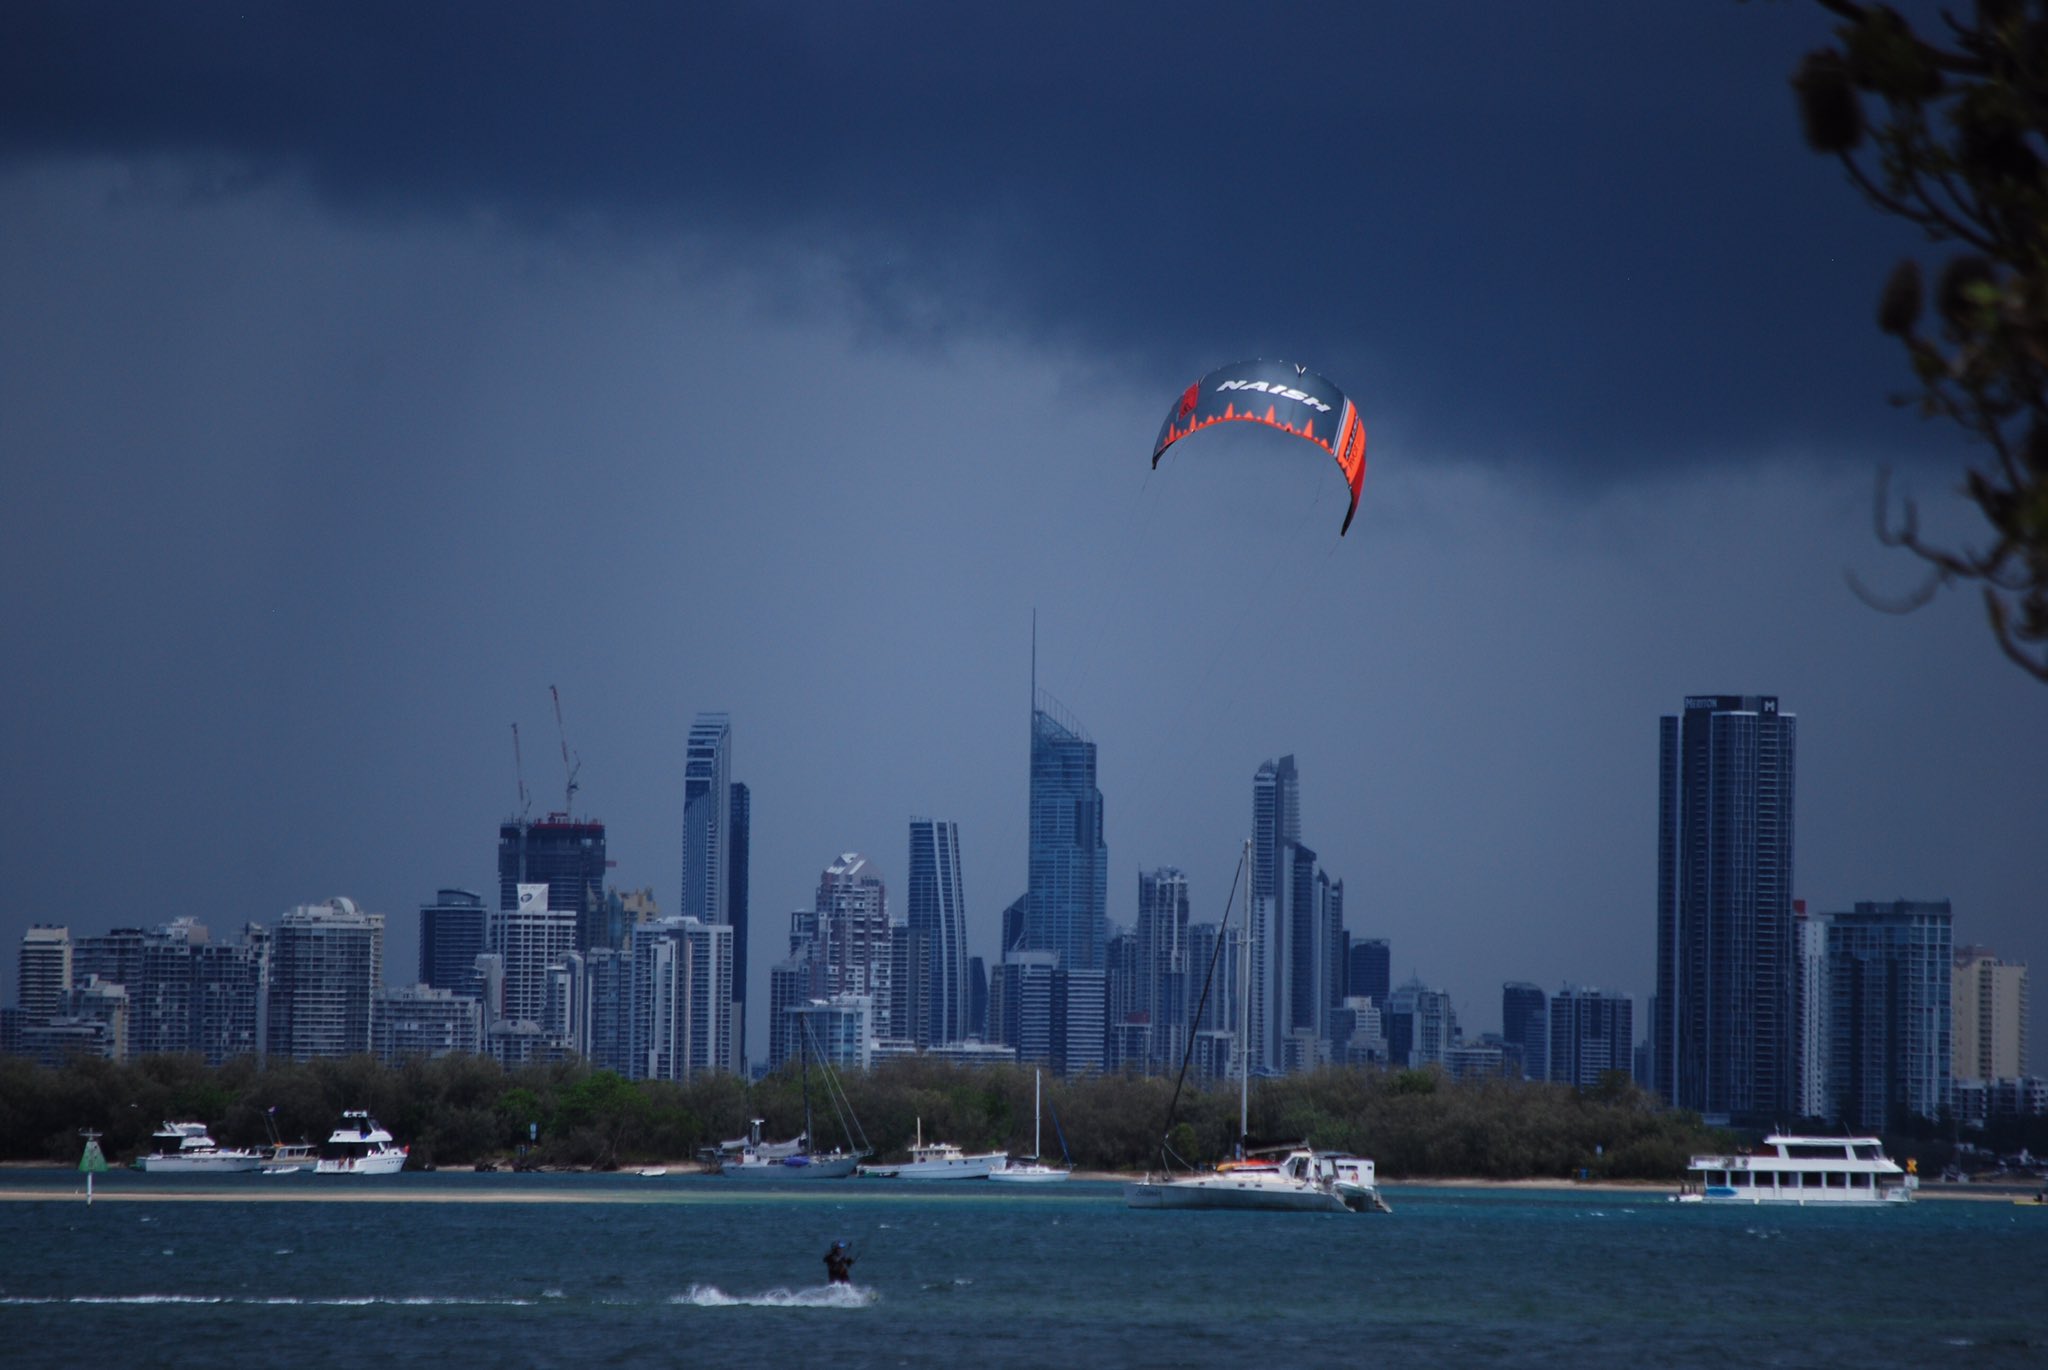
[462,1110]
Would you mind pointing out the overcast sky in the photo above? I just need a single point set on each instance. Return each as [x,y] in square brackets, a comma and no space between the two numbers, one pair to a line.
[366,371]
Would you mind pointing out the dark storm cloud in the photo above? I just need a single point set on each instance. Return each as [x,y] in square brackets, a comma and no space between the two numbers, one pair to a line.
[1582,237]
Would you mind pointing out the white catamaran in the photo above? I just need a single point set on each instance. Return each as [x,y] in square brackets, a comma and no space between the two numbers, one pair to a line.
[1294,1178]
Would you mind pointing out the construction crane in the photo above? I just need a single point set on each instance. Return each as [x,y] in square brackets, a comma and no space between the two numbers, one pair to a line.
[568,770]
[519,770]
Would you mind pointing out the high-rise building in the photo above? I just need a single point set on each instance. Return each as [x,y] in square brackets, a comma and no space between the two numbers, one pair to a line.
[44,969]
[569,859]
[740,824]
[1590,1034]
[1021,1006]
[326,966]
[1080,1016]
[1067,901]
[608,1006]
[838,1031]
[710,860]
[1214,977]
[681,987]
[1310,975]
[707,820]
[184,993]
[1809,1013]
[452,930]
[1160,969]
[424,1021]
[1372,966]
[1276,822]
[1989,1000]
[1420,1025]
[937,914]
[977,991]
[1276,826]
[910,981]
[1525,1023]
[531,937]
[1723,1041]
[852,932]
[1890,979]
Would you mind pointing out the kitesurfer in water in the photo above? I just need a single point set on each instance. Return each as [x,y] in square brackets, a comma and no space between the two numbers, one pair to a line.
[839,1264]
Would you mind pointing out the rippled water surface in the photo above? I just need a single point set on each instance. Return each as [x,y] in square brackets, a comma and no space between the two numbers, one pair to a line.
[551,1270]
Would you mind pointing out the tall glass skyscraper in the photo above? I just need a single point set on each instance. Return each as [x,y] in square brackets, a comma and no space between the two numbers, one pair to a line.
[713,871]
[451,938]
[740,817]
[1525,1022]
[1276,827]
[1162,961]
[1067,897]
[1724,1040]
[707,819]
[1890,978]
[938,914]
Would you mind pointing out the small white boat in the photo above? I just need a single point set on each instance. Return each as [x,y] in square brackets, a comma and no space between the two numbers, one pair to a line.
[1358,1184]
[282,1157]
[652,1172]
[940,1161]
[1793,1169]
[187,1149]
[360,1146]
[287,1158]
[1030,1169]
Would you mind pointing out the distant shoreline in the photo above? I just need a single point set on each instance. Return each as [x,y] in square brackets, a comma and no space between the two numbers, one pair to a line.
[391,1189]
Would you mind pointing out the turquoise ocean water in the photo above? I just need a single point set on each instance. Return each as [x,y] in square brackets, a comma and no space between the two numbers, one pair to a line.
[690,1270]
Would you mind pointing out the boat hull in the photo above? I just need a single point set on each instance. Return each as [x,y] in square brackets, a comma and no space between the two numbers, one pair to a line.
[956,1168]
[1031,1174]
[375,1163]
[1222,1192]
[205,1163]
[792,1168]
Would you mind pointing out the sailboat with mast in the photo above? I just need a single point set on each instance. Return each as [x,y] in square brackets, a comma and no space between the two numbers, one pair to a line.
[1032,1169]
[1294,1178]
[797,1160]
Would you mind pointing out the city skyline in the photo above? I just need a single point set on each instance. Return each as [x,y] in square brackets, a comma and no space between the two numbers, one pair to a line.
[330,401]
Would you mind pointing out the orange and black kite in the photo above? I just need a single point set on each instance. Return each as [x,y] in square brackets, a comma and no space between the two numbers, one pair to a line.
[1280,395]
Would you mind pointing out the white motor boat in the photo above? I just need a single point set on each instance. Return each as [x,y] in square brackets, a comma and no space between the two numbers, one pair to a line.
[187,1149]
[940,1161]
[1030,1169]
[360,1146]
[1792,1169]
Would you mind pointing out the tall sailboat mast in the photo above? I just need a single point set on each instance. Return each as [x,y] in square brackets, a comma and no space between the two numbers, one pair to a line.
[1244,1009]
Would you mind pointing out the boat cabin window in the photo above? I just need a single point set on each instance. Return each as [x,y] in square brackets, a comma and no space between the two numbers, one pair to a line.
[1811,1152]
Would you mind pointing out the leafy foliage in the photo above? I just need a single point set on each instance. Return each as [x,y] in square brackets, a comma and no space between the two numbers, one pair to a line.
[1950,136]
[458,1110]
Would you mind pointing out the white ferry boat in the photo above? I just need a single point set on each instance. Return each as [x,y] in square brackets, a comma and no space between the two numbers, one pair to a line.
[1790,1169]
[187,1149]
[360,1146]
